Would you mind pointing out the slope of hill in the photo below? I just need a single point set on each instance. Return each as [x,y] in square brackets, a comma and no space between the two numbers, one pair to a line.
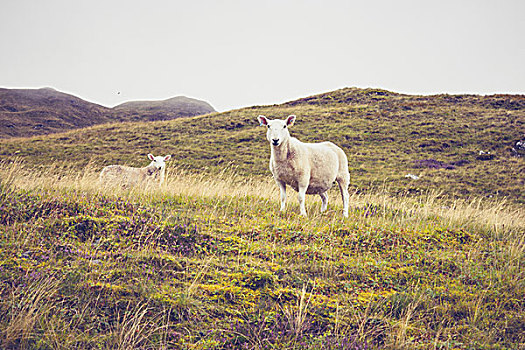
[385,135]
[29,112]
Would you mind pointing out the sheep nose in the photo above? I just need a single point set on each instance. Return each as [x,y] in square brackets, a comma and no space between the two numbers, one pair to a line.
[275,141]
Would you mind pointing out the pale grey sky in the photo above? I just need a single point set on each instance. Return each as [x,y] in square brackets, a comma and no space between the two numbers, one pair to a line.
[235,54]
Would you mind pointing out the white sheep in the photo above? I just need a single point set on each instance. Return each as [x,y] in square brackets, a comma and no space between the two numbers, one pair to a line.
[309,168]
[130,176]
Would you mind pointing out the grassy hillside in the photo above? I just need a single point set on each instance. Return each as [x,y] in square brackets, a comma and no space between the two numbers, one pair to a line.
[385,135]
[29,112]
[210,263]
[207,261]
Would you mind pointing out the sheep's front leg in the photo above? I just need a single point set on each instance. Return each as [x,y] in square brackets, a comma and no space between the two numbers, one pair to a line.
[301,196]
[302,187]
[282,188]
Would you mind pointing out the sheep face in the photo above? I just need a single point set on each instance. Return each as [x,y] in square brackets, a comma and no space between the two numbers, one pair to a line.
[159,161]
[277,129]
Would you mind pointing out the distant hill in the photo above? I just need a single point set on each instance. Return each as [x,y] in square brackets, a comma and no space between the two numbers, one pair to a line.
[172,108]
[30,112]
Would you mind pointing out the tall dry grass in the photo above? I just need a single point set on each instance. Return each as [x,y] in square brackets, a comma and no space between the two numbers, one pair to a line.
[497,217]
[132,330]
[27,306]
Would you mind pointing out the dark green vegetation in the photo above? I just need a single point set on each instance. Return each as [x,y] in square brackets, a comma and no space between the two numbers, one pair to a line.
[385,135]
[29,112]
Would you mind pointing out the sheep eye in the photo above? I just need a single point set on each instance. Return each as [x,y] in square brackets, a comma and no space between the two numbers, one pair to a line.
[284,127]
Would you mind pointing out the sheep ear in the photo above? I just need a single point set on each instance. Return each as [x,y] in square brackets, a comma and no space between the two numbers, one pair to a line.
[290,120]
[151,156]
[262,120]
[168,157]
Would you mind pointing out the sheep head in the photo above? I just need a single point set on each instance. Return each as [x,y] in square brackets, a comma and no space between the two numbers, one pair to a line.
[277,129]
[158,162]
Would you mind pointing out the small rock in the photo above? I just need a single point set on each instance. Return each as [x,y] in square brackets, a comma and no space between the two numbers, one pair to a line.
[482,155]
[519,149]
[412,176]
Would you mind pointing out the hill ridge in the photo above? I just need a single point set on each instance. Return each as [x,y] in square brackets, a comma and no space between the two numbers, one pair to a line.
[30,112]
[370,95]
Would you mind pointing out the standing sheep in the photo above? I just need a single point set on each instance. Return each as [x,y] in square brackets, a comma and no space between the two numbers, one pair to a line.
[129,176]
[309,168]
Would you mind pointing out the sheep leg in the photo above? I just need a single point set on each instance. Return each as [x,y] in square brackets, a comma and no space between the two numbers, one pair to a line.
[324,198]
[301,196]
[343,187]
[282,188]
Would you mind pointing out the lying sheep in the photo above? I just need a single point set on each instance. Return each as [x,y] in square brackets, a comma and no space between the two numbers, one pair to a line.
[129,176]
[309,168]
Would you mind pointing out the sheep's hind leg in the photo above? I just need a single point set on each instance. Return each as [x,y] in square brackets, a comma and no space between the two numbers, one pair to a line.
[324,198]
[343,183]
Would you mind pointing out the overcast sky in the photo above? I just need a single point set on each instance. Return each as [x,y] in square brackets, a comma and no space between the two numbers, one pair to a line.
[235,54]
